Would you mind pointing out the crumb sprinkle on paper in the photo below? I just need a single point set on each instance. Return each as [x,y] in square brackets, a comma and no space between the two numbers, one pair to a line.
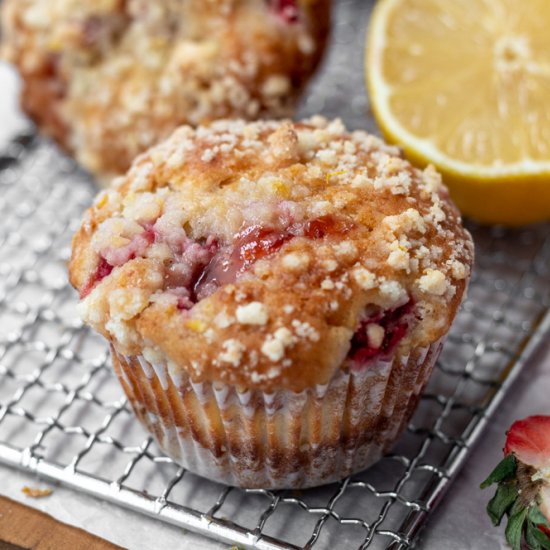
[34,492]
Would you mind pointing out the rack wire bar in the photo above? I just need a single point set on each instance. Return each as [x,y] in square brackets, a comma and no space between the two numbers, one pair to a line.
[63,415]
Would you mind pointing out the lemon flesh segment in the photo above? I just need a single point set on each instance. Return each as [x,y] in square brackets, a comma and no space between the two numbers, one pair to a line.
[466,86]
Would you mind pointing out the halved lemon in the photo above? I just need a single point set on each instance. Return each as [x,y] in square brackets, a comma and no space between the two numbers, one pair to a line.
[465,85]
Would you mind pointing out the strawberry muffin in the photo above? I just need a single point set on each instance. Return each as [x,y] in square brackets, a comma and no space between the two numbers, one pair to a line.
[275,295]
[108,79]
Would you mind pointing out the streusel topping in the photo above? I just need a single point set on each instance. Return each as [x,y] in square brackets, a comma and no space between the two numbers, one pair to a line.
[271,253]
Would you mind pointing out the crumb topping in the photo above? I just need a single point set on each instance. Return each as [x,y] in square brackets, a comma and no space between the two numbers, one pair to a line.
[275,344]
[232,352]
[433,282]
[254,313]
[270,263]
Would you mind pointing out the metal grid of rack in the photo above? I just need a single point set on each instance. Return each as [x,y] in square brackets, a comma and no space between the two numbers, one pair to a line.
[63,416]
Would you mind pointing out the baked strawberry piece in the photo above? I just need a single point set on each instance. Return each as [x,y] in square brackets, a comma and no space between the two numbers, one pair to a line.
[523,479]
[287,10]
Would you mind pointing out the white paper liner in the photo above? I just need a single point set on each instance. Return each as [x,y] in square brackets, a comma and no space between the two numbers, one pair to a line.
[282,439]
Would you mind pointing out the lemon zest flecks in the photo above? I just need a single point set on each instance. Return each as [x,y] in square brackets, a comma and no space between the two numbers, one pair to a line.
[281,188]
[195,325]
[335,174]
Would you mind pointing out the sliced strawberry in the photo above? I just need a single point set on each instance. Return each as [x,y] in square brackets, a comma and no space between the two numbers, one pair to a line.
[529,440]
[523,479]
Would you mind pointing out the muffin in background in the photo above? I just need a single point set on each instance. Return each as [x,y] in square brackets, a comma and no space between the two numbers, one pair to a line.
[275,295]
[109,79]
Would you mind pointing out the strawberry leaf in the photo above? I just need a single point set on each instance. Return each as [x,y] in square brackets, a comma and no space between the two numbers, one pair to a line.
[530,537]
[505,470]
[535,534]
[514,529]
[505,496]
[536,516]
[517,508]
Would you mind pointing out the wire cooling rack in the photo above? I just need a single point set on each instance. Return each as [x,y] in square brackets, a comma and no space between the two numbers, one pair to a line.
[62,414]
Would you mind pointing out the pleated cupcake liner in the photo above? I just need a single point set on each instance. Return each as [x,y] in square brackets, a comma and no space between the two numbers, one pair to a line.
[283,439]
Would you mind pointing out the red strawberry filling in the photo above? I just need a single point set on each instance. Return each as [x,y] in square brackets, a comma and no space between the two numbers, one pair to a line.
[112,258]
[379,333]
[254,243]
[286,10]
[197,269]
[136,248]
[103,269]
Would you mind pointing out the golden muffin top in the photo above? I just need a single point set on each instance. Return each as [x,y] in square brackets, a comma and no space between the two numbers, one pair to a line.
[271,254]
